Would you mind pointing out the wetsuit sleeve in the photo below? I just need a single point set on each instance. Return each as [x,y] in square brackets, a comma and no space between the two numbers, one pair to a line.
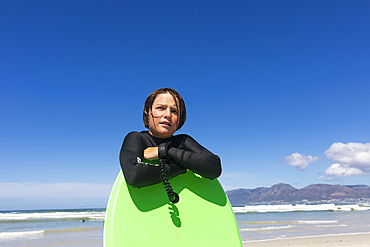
[195,157]
[136,172]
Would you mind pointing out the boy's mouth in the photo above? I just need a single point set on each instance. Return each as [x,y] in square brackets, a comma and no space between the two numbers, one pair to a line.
[165,123]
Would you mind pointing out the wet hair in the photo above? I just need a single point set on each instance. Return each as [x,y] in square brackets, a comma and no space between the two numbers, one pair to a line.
[180,104]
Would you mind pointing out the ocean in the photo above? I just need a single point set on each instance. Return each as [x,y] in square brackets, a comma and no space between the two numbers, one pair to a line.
[265,222]
[64,228]
[84,227]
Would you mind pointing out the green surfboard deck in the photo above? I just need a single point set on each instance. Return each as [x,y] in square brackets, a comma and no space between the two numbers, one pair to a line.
[142,217]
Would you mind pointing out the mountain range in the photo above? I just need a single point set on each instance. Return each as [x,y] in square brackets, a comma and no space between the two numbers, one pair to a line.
[284,193]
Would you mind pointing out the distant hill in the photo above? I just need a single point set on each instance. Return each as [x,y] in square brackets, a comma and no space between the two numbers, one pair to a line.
[315,193]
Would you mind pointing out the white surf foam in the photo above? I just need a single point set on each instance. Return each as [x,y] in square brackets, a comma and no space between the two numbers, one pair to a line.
[317,221]
[266,228]
[51,215]
[10,235]
[299,207]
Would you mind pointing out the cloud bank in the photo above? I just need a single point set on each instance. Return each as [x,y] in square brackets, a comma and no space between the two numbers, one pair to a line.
[300,161]
[350,159]
[355,155]
[342,170]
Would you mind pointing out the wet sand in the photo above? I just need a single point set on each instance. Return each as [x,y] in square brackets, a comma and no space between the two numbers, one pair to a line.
[355,240]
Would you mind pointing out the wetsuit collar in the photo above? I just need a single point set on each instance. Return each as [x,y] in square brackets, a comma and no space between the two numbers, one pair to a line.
[157,139]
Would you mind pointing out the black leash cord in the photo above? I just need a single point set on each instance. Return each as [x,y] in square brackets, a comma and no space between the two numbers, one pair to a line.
[172,195]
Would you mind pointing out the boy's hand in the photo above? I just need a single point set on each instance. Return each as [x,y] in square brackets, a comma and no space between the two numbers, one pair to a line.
[151,153]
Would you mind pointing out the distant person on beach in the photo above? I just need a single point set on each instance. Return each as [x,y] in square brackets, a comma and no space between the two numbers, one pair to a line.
[164,113]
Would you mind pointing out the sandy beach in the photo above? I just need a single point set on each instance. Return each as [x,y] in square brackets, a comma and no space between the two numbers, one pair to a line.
[355,240]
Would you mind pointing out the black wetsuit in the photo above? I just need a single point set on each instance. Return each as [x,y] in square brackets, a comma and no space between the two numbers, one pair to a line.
[182,152]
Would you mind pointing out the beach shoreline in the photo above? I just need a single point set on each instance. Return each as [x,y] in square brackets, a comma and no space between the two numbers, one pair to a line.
[352,240]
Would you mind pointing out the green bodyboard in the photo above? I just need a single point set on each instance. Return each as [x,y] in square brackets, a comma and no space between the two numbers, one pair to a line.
[142,217]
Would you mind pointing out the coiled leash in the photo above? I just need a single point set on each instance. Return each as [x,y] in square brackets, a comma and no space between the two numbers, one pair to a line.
[172,195]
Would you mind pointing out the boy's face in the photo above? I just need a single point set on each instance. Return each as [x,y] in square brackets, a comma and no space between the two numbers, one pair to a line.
[163,119]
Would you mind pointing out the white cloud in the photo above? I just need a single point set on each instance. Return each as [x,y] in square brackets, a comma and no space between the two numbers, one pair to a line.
[54,190]
[350,159]
[300,161]
[342,170]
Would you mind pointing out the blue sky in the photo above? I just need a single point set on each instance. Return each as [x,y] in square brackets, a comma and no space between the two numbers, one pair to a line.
[278,89]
